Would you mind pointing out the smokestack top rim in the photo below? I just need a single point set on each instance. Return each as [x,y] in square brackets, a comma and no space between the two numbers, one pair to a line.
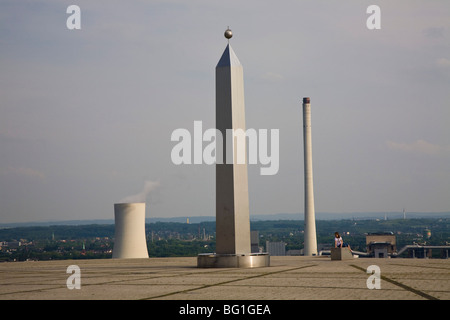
[306,100]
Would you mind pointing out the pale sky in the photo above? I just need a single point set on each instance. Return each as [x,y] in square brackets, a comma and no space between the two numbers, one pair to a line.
[86,115]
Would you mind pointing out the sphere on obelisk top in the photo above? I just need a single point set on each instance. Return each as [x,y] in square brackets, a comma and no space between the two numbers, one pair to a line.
[228,34]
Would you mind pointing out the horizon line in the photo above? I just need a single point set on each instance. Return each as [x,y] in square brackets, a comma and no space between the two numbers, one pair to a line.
[328,216]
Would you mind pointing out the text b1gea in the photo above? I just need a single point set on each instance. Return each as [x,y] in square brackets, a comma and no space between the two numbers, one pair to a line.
[246,309]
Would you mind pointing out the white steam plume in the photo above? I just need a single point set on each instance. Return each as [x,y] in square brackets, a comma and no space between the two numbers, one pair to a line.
[149,186]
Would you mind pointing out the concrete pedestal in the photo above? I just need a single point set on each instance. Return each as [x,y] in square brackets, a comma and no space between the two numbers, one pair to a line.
[252,260]
[341,254]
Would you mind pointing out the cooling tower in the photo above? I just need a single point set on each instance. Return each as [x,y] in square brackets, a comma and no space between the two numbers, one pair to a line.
[130,239]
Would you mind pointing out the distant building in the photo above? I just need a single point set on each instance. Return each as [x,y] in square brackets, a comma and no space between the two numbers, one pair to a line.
[12,244]
[294,252]
[254,242]
[276,248]
[381,244]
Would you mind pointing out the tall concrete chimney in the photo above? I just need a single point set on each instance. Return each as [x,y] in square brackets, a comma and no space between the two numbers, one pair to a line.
[310,248]
[129,239]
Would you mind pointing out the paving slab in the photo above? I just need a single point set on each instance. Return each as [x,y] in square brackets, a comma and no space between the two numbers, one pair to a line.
[288,278]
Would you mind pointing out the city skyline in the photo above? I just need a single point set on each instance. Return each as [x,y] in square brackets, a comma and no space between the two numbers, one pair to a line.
[87,115]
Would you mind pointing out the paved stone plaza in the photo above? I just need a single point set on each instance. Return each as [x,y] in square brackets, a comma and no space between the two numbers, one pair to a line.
[288,278]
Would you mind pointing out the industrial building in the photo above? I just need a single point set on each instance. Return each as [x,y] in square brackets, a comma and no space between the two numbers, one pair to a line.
[381,244]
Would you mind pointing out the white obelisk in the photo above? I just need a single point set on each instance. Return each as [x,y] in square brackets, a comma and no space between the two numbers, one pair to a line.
[232,204]
[233,248]
[310,248]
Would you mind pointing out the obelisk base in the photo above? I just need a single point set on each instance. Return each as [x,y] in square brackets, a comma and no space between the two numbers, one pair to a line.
[251,260]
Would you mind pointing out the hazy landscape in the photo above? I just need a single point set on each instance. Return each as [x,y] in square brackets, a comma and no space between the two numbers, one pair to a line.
[170,239]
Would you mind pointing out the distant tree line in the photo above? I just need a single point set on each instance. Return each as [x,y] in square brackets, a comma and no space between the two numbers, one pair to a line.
[170,239]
